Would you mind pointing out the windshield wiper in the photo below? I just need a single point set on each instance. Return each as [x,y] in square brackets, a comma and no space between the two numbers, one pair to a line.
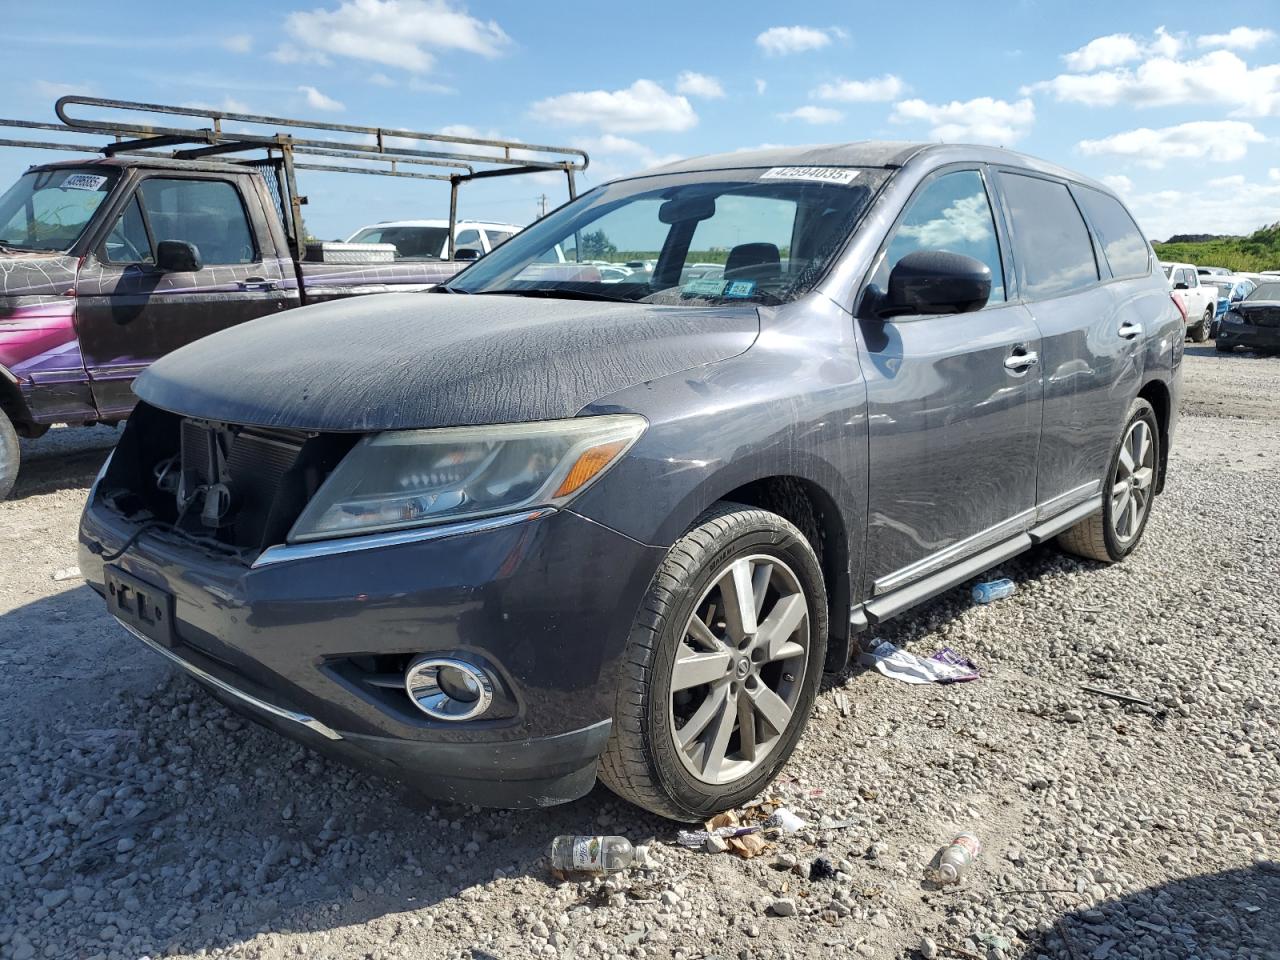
[558,294]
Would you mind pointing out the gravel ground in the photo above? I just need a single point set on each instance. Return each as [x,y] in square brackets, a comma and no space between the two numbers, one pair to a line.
[138,817]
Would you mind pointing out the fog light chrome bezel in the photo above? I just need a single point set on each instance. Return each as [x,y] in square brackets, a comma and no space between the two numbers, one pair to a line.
[422,684]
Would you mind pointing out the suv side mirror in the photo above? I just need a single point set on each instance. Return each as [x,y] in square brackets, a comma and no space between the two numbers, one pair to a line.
[467,253]
[178,256]
[935,281]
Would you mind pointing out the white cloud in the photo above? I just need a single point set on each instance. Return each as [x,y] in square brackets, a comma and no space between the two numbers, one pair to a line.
[777,41]
[699,85]
[761,86]
[877,89]
[318,101]
[1219,77]
[292,55]
[418,85]
[981,120]
[966,221]
[238,42]
[1117,48]
[613,156]
[1223,141]
[398,33]
[1119,183]
[815,115]
[1274,173]
[642,106]
[1238,38]
[1237,207]
[381,80]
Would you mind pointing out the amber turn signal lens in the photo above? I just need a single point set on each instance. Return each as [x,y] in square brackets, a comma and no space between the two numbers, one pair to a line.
[589,464]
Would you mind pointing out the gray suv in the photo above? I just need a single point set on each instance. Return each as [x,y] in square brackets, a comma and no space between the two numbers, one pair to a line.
[552,522]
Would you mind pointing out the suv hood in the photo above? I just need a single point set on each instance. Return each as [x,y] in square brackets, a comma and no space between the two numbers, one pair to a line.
[404,361]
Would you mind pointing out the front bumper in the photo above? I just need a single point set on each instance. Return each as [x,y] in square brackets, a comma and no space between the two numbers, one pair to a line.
[1248,335]
[545,604]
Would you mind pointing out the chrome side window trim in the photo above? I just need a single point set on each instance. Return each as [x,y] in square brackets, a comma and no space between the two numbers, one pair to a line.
[309,722]
[288,552]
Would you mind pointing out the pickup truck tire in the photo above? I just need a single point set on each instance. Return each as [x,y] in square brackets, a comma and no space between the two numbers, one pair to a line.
[1112,534]
[10,456]
[714,675]
[1200,332]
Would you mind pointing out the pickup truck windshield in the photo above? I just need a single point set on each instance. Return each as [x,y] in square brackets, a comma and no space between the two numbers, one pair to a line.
[757,235]
[49,209]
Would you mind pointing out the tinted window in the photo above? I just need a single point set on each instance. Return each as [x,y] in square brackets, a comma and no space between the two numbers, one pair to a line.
[128,241]
[1050,239]
[207,213]
[1123,244]
[498,237]
[952,213]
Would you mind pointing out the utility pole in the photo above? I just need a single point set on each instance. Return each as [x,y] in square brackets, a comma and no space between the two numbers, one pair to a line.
[542,204]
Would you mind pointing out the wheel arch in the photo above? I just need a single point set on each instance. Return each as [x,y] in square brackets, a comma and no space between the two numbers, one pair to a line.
[1156,393]
[814,512]
[12,403]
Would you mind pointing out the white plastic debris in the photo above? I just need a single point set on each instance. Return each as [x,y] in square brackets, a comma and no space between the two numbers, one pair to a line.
[943,667]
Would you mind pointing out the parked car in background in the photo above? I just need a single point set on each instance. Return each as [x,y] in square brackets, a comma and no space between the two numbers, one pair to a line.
[428,239]
[1231,289]
[1254,321]
[1213,271]
[1199,298]
[534,528]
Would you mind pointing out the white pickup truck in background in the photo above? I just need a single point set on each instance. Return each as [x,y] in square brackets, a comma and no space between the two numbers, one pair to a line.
[1199,299]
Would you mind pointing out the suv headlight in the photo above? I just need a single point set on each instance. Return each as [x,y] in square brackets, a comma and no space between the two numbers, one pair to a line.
[410,478]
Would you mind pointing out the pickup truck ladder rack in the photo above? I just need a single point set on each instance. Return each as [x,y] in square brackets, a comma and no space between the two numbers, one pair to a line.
[387,150]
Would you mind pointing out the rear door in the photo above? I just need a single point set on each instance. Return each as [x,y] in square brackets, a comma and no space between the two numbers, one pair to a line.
[954,401]
[129,312]
[1089,322]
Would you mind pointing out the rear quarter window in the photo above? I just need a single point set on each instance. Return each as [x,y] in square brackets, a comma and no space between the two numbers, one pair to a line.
[1050,240]
[1123,244]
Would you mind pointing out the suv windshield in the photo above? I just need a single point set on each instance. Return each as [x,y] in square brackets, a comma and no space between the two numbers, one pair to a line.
[411,243]
[727,235]
[48,209]
[1266,291]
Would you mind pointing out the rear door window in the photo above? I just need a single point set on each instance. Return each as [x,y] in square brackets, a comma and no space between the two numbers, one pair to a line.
[206,213]
[1050,239]
[1123,244]
[953,214]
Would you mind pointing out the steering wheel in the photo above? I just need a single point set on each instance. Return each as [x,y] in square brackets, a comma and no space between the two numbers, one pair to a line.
[131,253]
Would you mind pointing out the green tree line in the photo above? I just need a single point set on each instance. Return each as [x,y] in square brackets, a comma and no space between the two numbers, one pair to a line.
[1258,251]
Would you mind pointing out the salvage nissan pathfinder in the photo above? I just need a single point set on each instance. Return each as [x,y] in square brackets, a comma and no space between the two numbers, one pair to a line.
[555,522]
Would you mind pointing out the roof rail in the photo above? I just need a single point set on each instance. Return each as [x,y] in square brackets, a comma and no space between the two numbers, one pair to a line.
[386,150]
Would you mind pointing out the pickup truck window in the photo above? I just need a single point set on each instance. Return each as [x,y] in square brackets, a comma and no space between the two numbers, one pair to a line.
[749,235]
[951,213]
[128,241]
[49,209]
[1050,239]
[206,213]
[411,243]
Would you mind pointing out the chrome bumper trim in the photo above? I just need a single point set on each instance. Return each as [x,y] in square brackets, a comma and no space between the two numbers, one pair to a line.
[310,723]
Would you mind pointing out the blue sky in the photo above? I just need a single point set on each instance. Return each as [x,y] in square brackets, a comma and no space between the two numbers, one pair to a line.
[1177,110]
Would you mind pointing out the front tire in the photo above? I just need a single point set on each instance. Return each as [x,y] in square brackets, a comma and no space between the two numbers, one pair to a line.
[10,456]
[721,668]
[1200,332]
[1224,347]
[1127,493]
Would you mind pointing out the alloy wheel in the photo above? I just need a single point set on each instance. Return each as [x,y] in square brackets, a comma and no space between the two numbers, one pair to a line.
[739,670]
[1132,483]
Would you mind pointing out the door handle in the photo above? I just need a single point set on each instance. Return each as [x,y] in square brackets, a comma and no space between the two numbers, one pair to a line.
[1130,330]
[1022,360]
[257,283]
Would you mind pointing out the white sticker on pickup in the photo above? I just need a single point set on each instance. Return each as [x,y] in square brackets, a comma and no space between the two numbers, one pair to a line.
[83,181]
[841,175]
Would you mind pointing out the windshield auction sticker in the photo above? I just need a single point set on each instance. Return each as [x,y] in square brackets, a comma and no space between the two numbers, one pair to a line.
[83,181]
[841,175]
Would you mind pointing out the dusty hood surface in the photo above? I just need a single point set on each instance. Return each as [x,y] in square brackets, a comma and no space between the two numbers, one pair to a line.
[399,361]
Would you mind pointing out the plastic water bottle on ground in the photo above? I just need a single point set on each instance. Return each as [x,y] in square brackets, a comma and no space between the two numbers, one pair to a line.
[590,856]
[994,590]
[957,857]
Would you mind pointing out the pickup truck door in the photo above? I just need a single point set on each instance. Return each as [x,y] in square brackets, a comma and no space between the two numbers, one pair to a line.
[129,312]
[954,402]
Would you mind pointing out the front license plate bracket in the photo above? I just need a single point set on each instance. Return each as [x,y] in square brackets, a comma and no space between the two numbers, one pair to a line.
[146,608]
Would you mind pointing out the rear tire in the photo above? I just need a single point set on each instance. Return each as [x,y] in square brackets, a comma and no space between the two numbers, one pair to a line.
[679,747]
[10,456]
[1200,332]
[1128,491]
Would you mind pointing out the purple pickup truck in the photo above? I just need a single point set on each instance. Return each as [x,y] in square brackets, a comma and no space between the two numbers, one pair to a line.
[108,264]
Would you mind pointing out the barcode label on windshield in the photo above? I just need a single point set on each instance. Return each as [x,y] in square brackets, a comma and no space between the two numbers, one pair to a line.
[83,181]
[841,175]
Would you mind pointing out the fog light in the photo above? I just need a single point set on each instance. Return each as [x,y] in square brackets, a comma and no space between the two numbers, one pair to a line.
[448,689]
